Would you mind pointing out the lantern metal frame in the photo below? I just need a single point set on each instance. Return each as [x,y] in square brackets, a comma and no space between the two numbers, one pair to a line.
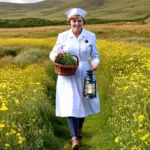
[86,82]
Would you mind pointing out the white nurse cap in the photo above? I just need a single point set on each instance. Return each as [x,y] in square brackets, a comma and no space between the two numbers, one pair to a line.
[75,11]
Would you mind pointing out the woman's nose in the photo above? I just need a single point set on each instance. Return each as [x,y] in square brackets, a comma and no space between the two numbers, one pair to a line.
[77,22]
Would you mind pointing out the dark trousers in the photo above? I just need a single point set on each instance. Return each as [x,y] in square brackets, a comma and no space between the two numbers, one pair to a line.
[74,124]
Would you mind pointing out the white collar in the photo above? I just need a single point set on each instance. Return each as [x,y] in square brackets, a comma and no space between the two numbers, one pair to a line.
[82,34]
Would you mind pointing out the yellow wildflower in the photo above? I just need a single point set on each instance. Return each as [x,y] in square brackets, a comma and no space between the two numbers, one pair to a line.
[7,145]
[133,134]
[4,107]
[146,143]
[2,126]
[140,125]
[141,118]
[7,134]
[117,139]
[134,147]
[139,131]
[126,87]
[13,131]
[18,134]
[20,140]
[143,138]
[16,101]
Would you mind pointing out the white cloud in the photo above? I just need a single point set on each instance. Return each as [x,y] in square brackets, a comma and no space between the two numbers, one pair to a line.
[21,1]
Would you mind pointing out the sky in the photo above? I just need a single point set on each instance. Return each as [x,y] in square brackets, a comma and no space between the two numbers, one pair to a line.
[21,1]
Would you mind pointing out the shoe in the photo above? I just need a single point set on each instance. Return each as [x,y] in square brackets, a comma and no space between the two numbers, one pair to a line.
[80,137]
[80,133]
[75,144]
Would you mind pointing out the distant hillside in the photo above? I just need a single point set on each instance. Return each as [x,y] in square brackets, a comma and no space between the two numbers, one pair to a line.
[100,9]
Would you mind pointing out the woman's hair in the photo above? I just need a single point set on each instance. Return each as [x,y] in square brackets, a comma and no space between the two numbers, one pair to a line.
[74,17]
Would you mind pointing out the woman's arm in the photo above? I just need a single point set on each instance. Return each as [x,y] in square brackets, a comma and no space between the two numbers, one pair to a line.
[57,49]
[94,54]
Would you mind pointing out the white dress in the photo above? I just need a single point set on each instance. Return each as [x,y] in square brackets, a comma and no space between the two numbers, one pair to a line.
[69,89]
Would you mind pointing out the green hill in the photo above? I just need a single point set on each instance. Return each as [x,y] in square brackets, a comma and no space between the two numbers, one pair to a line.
[100,9]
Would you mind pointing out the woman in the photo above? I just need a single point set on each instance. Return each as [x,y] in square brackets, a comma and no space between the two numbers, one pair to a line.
[70,101]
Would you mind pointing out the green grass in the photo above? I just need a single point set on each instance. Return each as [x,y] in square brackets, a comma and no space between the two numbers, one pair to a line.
[102,9]
[91,125]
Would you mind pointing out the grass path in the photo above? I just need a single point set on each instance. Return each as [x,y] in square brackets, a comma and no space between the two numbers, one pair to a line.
[91,126]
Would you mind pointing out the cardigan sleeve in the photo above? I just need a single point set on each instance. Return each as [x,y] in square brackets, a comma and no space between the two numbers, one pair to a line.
[94,53]
[57,47]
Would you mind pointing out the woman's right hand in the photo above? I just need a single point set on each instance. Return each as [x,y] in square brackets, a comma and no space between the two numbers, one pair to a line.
[59,52]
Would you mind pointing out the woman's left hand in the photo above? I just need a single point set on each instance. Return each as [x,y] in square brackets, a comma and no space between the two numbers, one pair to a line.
[94,66]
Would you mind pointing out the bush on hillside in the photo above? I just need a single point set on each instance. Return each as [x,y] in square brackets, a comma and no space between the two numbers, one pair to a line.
[35,22]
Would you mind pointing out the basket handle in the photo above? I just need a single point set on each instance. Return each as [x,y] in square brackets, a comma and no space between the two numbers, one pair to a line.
[77,59]
[57,57]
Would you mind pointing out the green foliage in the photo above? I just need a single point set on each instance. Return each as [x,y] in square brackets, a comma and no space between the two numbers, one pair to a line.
[9,51]
[36,22]
[28,22]
[66,60]
[22,56]
[30,55]
[103,21]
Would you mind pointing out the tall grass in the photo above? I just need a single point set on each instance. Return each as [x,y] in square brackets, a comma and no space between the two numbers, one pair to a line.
[27,96]
[23,52]
[26,111]
[125,72]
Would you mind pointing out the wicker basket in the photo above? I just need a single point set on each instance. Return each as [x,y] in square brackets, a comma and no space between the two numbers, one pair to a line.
[66,70]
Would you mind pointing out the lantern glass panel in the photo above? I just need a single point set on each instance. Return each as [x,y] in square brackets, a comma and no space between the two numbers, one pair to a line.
[90,88]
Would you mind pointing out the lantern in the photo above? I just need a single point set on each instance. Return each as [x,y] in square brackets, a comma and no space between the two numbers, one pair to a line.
[89,85]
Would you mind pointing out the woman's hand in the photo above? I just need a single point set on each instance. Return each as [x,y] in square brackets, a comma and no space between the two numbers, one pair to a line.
[59,52]
[94,66]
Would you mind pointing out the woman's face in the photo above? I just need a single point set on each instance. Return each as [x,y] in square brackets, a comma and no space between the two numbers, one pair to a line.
[76,24]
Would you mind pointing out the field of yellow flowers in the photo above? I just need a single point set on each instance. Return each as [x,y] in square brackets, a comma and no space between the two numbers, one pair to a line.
[24,102]
[26,110]
[24,106]
[126,74]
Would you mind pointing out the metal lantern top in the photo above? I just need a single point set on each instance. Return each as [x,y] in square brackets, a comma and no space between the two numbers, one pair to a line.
[90,76]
